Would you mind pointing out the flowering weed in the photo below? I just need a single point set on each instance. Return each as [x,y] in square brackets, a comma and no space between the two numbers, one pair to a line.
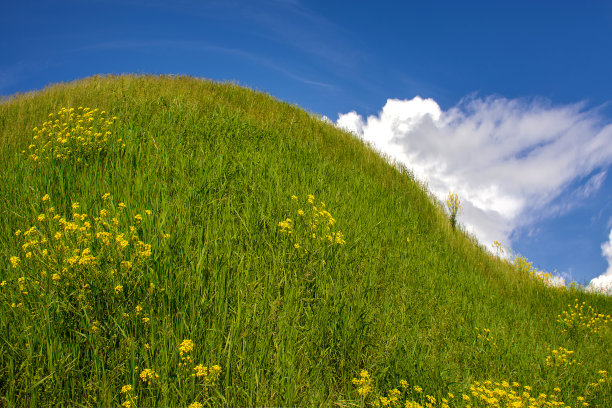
[313,229]
[73,134]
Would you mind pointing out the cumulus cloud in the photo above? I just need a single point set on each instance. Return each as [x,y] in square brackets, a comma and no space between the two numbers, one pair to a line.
[509,160]
[603,283]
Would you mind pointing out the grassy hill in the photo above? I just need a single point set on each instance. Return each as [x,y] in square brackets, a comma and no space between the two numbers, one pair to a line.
[168,241]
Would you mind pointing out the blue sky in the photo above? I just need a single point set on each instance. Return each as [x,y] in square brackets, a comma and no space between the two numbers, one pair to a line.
[514,97]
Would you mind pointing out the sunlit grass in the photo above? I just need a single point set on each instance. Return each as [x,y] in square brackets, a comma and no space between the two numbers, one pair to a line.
[221,248]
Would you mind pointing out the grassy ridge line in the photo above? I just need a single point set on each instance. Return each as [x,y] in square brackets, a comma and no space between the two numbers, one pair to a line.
[217,165]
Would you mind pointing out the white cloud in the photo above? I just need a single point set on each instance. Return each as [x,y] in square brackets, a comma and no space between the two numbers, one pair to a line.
[508,160]
[603,283]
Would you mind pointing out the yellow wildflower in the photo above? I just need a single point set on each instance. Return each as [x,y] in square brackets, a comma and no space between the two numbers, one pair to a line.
[14,261]
[186,346]
[148,375]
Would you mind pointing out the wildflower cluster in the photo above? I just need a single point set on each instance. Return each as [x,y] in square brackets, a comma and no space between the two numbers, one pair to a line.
[80,260]
[62,250]
[73,134]
[453,204]
[313,227]
[147,375]
[485,335]
[485,394]
[560,357]
[127,392]
[506,395]
[583,318]
[405,396]
[363,383]
[499,248]
[202,375]
[185,351]
[522,265]
[208,375]
[604,381]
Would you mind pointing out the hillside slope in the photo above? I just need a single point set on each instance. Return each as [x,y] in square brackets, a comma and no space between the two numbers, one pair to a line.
[171,252]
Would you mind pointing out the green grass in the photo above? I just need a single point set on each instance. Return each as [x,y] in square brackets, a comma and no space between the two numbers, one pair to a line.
[217,165]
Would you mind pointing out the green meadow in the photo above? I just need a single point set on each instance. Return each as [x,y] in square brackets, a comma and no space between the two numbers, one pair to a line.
[170,241]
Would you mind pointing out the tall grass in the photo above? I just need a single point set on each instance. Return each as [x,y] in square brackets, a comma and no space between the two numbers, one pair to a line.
[406,297]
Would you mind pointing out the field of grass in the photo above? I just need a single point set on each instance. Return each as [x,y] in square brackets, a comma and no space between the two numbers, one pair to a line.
[168,241]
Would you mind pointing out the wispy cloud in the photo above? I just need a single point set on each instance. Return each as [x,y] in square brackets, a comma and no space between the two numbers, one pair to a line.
[510,160]
[206,48]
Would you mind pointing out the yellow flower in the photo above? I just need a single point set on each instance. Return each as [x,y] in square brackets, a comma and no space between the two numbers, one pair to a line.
[126,388]
[200,371]
[14,261]
[186,346]
[118,289]
[195,404]
[2,284]
[75,206]
[145,320]
[148,375]
[46,198]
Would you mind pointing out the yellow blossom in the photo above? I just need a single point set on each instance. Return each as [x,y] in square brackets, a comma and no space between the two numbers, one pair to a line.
[14,261]
[186,346]
[148,375]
